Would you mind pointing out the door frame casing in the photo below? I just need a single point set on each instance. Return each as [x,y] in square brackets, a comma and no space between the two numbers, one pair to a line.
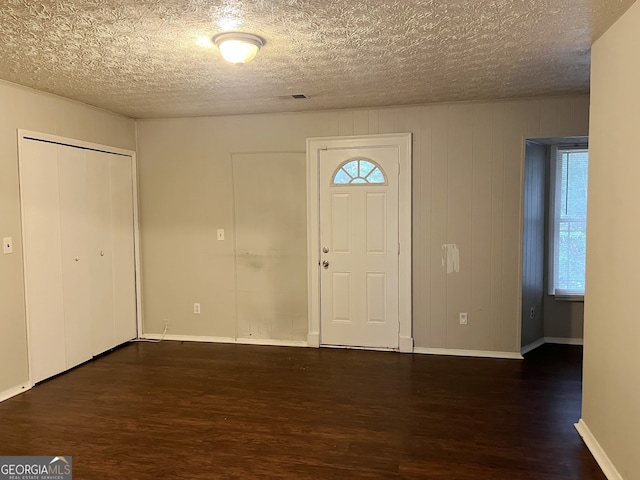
[25,135]
[403,142]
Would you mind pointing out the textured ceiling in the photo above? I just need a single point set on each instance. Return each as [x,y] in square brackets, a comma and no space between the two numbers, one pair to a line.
[141,57]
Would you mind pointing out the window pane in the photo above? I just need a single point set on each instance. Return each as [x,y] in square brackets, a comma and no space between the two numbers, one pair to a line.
[571,256]
[341,178]
[376,176]
[577,243]
[574,184]
[570,221]
[352,168]
[365,168]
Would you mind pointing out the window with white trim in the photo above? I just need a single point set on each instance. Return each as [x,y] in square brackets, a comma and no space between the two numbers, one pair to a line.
[568,221]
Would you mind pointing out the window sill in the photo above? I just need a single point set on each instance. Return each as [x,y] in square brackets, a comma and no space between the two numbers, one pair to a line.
[569,298]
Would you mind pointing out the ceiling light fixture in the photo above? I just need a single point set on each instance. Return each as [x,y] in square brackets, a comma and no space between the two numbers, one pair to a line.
[237,47]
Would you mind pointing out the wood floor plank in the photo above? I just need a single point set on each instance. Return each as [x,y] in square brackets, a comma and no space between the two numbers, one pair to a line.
[204,411]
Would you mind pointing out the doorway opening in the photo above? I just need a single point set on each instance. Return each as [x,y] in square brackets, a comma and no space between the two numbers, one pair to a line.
[554,239]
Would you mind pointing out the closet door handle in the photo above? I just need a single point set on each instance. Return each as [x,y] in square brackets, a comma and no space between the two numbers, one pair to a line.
[101,253]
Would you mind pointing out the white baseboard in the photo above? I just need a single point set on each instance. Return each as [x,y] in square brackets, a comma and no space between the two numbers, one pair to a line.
[273,343]
[467,353]
[406,345]
[350,347]
[598,453]
[12,392]
[532,346]
[187,338]
[313,339]
[244,341]
[551,340]
[564,341]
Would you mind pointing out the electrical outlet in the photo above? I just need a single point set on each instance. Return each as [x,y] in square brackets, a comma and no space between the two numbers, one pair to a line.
[464,320]
[221,234]
[196,308]
[532,313]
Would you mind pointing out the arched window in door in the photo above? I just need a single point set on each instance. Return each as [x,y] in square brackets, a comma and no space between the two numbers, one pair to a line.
[359,171]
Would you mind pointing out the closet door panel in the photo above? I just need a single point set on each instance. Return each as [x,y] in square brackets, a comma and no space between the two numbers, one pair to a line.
[72,171]
[99,250]
[43,266]
[124,288]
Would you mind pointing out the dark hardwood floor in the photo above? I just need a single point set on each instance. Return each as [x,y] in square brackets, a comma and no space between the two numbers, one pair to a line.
[206,411]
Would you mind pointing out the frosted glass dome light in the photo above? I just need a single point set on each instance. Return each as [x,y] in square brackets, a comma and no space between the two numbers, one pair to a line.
[237,47]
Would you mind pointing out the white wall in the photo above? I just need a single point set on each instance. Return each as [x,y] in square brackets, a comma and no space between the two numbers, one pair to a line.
[27,109]
[468,188]
[611,392]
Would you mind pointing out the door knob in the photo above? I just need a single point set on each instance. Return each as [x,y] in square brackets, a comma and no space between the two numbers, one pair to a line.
[102,254]
[325,249]
[76,259]
[325,264]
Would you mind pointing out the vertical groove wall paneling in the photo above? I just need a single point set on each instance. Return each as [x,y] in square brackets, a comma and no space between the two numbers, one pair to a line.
[459,192]
[533,242]
[497,225]
[468,173]
[439,215]
[422,228]
[480,307]
[515,127]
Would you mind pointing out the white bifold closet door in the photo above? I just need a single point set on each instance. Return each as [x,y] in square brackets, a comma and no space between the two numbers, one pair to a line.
[77,209]
[111,256]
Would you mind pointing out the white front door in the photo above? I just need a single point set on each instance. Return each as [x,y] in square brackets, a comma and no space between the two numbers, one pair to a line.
[359,246]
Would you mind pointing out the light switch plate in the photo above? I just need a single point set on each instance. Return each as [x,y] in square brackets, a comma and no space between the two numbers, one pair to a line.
[221,234]
[7,245]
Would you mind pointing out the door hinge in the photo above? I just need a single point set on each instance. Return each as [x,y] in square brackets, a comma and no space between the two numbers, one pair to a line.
[398,248]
